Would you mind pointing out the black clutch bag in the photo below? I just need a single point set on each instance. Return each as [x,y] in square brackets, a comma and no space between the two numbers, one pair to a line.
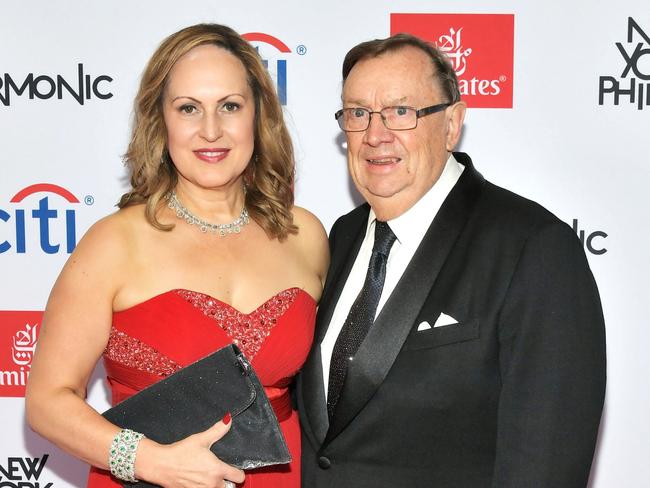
[199,395]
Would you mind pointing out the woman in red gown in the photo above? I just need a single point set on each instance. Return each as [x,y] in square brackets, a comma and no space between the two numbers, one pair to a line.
[206,249]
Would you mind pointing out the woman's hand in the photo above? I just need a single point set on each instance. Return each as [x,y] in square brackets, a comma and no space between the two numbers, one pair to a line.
[188,463]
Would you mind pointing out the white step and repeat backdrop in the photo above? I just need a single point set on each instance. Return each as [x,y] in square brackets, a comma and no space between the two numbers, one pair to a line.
[560,112]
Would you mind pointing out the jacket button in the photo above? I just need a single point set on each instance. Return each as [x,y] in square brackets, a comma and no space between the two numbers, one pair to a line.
[324,462]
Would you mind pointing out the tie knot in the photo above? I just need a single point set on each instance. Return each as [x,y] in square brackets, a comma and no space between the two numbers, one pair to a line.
[384,238]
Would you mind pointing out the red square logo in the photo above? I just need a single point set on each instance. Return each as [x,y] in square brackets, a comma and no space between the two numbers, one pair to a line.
[18,335]
[480,47]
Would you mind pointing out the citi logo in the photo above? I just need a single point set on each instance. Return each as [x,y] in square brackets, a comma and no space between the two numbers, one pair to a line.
[633,89]
[451,44]
[82,88]
[279,71]
[43,218]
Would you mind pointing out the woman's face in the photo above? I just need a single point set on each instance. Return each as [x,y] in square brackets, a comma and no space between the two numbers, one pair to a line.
[209,112]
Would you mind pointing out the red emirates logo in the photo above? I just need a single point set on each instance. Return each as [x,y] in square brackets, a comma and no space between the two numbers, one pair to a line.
[18,335]
[480,47]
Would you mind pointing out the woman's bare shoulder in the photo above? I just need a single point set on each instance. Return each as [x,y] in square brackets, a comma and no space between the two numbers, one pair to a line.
[307,221]
[114,230]
[106,246]
[311,239]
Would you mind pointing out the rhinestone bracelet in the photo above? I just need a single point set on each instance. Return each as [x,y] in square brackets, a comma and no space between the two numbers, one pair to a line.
[121,457]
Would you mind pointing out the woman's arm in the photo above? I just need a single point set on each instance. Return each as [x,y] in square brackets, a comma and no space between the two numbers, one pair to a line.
[75,331]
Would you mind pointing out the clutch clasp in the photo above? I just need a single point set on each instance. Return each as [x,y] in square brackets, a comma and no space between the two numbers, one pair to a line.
[243,364]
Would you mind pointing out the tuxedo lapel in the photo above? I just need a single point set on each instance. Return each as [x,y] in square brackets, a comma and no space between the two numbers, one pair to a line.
[387,335]
[345,242]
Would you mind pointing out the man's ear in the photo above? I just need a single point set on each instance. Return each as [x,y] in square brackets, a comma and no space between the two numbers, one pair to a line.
[455,118]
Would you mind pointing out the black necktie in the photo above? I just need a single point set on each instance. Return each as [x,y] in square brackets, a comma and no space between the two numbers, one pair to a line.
[361,316]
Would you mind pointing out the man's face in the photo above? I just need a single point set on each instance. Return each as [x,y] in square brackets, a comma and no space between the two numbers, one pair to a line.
[394,169]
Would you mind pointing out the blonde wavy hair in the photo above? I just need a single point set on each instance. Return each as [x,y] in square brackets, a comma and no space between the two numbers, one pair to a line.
[269,176]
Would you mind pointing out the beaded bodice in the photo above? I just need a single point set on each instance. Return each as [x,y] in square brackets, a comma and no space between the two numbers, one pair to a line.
[132,352]
[248,330]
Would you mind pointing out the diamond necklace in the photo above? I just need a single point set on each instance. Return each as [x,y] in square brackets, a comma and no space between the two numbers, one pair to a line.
[221,229]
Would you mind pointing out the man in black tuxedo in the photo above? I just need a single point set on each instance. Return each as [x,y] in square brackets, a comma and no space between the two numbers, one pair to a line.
[460,339]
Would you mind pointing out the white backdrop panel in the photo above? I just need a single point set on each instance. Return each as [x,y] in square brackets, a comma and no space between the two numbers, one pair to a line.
[556,145]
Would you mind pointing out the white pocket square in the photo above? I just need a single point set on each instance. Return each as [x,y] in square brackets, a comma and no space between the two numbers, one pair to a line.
[444,319]
[424,326]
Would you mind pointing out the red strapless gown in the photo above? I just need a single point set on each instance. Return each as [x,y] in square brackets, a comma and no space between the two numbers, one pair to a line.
[169,331]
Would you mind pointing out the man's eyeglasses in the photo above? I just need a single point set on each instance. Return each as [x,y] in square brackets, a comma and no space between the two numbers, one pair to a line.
[357,119]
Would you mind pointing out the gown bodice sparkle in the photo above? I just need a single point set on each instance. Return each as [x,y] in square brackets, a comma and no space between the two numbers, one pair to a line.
[157,337]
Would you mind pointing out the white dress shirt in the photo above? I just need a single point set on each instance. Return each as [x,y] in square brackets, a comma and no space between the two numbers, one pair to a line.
[409,228]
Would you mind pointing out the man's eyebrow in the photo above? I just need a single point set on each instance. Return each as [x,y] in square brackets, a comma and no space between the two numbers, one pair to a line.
[360,103]
[363,103]
[397,101]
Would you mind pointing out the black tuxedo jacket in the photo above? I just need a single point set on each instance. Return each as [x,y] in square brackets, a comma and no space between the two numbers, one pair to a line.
[511,396]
